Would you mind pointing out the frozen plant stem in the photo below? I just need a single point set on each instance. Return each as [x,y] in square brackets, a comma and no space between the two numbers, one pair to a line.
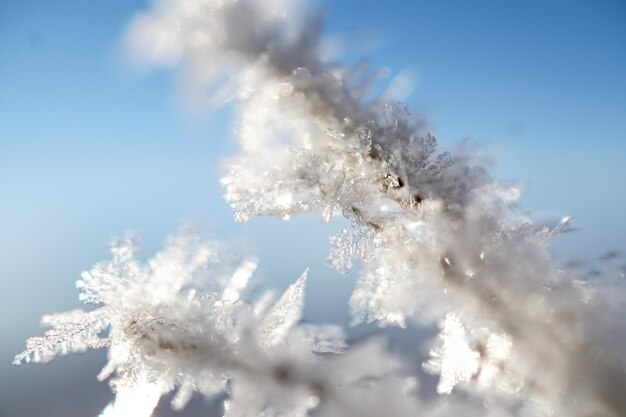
[180,323]
[440,241]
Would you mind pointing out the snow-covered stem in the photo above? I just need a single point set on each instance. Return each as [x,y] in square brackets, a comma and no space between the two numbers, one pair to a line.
[181,322]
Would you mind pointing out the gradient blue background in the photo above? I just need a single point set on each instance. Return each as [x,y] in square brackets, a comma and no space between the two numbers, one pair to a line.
[89,150]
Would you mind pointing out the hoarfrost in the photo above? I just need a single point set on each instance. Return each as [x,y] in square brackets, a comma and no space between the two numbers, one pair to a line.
[442,236]
[72,331]
[437,236]
[181,322]
[463,356]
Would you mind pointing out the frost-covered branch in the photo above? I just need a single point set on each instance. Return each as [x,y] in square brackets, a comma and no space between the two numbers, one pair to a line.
[439,240]
[180,322]
[437,235]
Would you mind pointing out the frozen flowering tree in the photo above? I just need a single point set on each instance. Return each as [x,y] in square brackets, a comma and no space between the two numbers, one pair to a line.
[439,241]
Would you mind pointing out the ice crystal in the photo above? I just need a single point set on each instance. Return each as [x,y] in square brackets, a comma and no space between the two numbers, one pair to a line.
[463,356]
[73,331]
[456,361]
[351,242]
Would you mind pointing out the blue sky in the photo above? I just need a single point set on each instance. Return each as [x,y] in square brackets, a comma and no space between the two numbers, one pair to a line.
[89,149]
